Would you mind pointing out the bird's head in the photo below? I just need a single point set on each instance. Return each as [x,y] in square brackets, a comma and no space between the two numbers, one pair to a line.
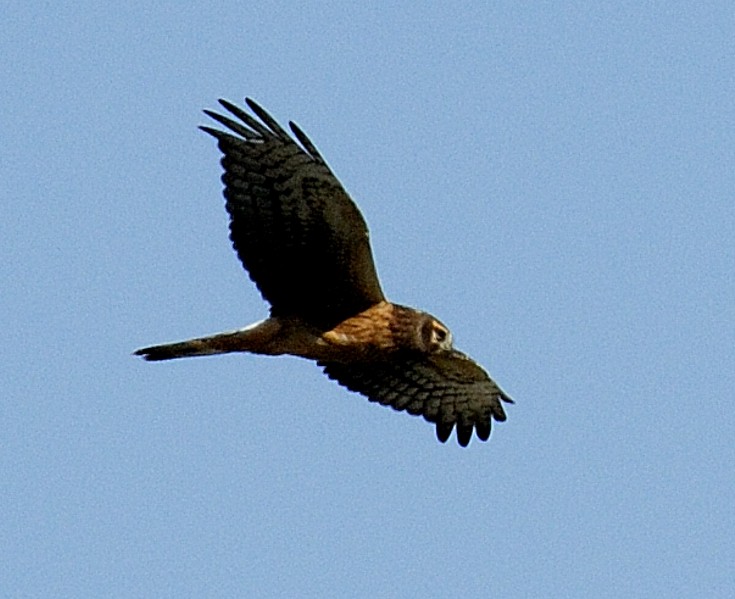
[435,335]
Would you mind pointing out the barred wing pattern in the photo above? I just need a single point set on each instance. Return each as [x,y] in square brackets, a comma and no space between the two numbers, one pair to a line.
[295,229]
[446,388]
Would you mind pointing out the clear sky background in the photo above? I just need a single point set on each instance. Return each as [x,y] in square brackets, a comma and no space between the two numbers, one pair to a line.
[555,181]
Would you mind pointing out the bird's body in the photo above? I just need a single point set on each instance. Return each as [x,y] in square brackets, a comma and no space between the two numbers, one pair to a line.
[363,337]
[306,246]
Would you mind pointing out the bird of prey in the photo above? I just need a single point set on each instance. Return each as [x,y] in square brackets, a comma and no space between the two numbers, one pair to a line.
[305,245]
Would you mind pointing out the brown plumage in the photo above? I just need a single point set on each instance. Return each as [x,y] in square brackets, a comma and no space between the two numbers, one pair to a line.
[306,247]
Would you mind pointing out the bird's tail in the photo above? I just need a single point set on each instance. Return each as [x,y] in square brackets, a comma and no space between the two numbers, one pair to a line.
[254,339]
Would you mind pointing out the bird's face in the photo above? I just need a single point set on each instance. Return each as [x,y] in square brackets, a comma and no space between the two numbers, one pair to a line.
[435,335]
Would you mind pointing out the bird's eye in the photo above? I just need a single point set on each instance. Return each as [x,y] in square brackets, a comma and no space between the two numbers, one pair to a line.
[440,334]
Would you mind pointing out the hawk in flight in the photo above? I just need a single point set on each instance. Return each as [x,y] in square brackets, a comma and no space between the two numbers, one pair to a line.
[305,245]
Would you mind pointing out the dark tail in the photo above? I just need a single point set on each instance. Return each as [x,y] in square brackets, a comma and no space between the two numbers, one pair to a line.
[250,339]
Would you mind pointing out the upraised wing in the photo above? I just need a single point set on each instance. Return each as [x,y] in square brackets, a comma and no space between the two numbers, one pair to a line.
[295,229]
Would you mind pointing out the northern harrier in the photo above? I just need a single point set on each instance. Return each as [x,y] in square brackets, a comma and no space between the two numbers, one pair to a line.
[305,245]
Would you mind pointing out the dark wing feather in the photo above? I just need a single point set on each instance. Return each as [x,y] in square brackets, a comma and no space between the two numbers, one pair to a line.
[447,388]
[295,229]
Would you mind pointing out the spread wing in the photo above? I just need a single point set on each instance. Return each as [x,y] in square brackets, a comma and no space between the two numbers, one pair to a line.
[446,388]
[295,229]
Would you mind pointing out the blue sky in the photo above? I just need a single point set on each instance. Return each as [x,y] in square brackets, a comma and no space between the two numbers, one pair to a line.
[553,180]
